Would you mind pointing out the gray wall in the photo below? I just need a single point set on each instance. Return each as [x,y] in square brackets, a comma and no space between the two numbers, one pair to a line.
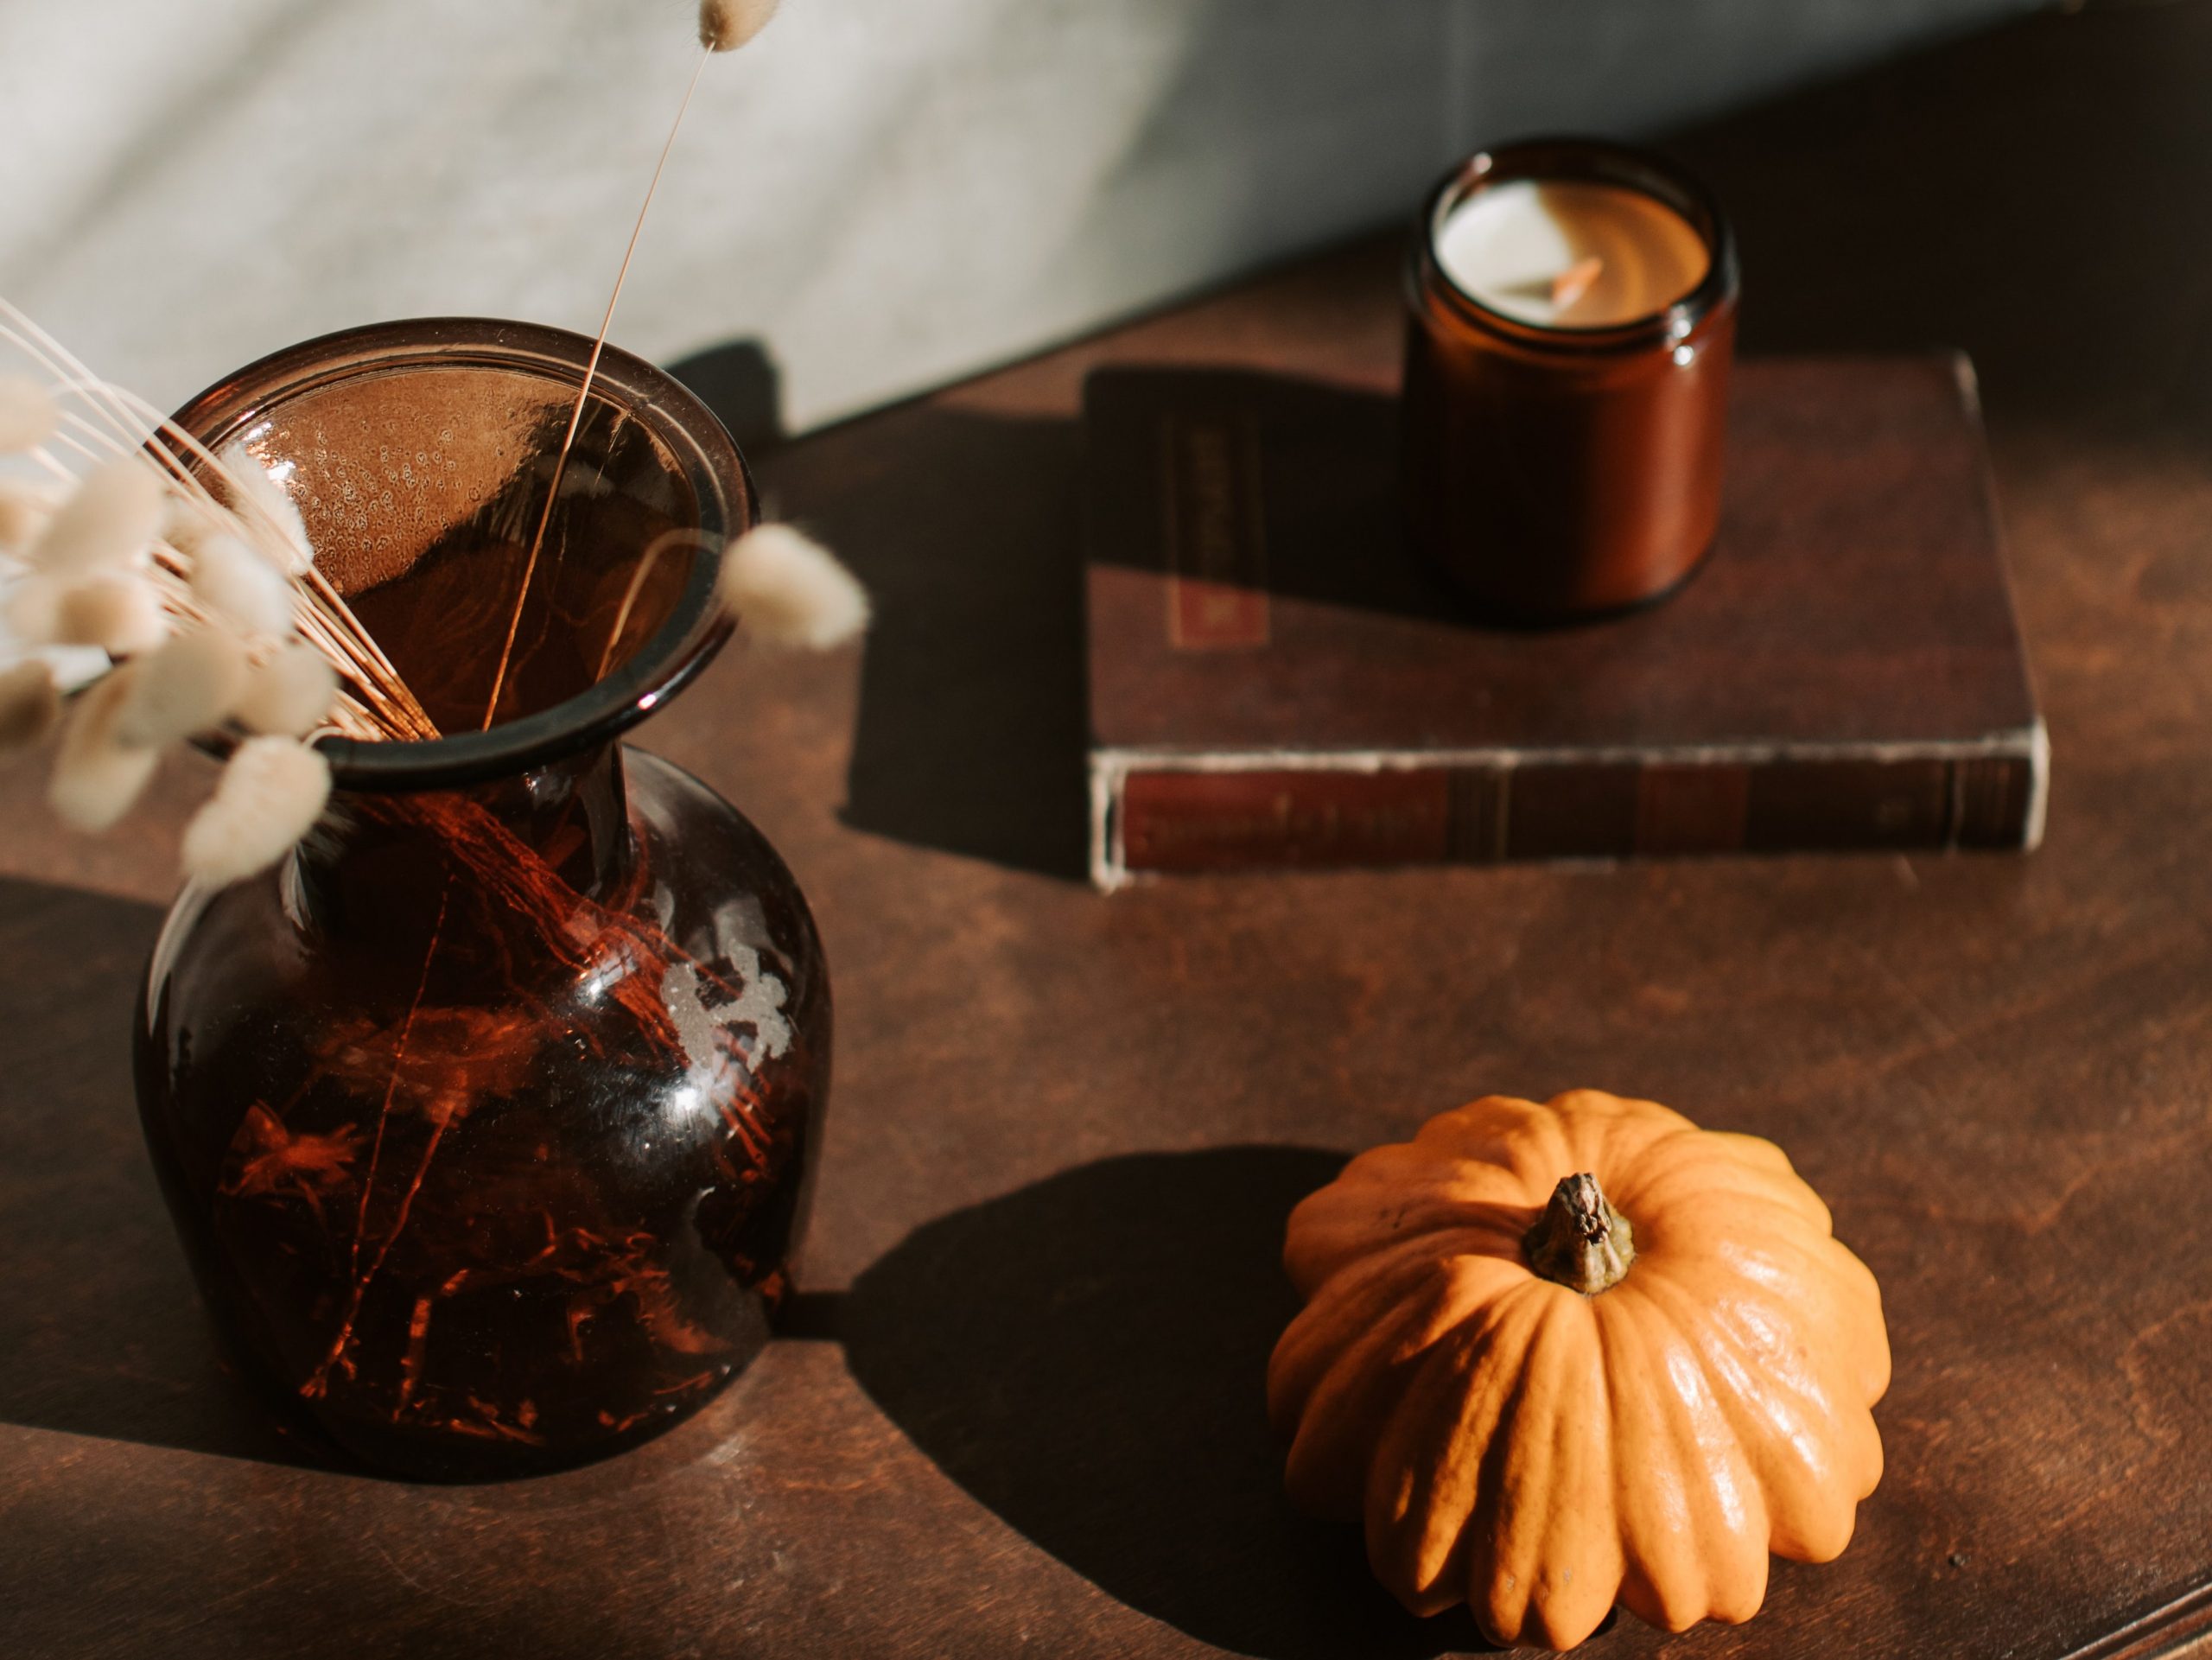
[885,193]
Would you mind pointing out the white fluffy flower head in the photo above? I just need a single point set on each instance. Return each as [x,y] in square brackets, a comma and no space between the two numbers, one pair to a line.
[787,589]
[725,25]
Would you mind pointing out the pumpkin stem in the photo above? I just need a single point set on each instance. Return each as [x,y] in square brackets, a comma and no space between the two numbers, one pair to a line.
[1580,1241]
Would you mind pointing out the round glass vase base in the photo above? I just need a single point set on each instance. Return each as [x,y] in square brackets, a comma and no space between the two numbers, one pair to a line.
[433,1455]
[485,1175]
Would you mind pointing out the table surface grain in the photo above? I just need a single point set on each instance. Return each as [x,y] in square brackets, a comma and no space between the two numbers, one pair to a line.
[1019,1407]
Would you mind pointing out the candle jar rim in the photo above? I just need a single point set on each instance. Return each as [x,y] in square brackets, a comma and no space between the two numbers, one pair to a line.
[712,467]
[1571,159]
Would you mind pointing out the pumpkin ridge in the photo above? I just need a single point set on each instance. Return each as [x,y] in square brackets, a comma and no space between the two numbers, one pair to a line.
[1544,1560]
[1719,1223]
[1793,1327]
[1605,1140]
[1396,1164]
[1408,1253]
[1672,1168]
[1345,1233]
[1340,1310]
[1685,1557]
[1803,1275]
[1360,1367]
[1368,1208]
[1319,1398]
[1756,1151]
[1805,1521]
[1534,1145]
[1417,1523]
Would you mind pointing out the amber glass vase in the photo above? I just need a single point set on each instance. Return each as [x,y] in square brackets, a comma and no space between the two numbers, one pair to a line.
[486,1118]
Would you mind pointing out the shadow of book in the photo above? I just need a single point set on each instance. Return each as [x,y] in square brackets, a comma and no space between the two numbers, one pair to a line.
[1247,479]
[740,383]
[104,1336]
[1088,1357]
[971,533]
[964,530]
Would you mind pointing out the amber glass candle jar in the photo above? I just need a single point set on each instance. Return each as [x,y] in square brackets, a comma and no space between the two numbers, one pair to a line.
[1572,319]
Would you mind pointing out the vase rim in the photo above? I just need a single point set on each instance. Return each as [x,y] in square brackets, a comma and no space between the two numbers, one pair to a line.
[687,640]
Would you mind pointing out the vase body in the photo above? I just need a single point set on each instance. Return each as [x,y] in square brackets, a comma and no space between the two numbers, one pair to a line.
[486,1118]
[489,1159]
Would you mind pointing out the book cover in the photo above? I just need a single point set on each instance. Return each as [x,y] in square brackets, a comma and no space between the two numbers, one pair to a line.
[1274,681]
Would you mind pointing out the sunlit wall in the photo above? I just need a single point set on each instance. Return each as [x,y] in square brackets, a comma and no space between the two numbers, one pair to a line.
[883,193]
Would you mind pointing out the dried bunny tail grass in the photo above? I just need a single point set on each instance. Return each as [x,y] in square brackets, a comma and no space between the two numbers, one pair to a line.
[110,518]
[32,610]
[271,792]
[123,615]
[95,777]
[28,416]
[22,332]
[229,579]
[190,522]
[290,694]
[376,701]
[725,25]
[24,510]
[787,589]
[188,686]
[30,705]
[252,481]
[376,693]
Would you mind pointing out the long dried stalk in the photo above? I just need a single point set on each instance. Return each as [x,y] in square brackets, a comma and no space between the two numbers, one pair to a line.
[709,41]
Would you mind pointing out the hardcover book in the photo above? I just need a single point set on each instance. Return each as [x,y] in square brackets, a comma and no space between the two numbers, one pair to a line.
[1274,681]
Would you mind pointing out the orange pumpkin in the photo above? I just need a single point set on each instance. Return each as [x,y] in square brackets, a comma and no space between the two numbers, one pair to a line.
[1561,1355]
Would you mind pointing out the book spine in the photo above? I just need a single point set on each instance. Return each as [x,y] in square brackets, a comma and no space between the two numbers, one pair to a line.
[1257,812]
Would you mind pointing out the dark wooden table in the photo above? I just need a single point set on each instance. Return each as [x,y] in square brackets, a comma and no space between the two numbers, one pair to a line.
[1019,1409]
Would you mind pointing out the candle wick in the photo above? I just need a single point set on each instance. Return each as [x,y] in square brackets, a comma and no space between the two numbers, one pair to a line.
[1574,281]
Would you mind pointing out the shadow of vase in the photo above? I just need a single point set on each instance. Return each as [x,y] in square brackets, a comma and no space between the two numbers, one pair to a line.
[104,1336]
[1087,1355]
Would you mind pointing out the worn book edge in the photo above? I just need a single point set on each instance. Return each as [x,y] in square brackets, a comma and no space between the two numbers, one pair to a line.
[1111,767]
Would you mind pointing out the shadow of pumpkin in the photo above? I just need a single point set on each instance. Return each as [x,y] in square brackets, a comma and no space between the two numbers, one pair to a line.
[1087,1355]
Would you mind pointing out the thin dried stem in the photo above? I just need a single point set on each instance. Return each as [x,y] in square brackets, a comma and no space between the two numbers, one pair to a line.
[24,333]
[583,394]
[645,562]
[319,610]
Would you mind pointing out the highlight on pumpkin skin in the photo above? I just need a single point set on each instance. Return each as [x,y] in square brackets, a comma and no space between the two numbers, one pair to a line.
[1539,1451]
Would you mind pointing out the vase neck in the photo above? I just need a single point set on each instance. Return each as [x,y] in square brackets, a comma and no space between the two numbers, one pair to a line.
[381,861]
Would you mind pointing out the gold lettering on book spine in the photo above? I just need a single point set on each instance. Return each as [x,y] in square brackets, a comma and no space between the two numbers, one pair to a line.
[1213,533]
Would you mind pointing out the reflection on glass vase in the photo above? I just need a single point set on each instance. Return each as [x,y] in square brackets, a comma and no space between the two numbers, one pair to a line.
[488,1118]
